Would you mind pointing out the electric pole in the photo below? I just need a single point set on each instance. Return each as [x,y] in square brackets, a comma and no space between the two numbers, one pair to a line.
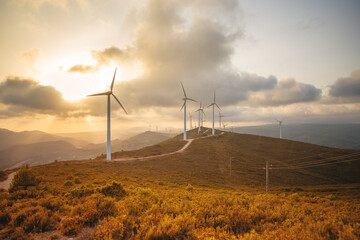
[267,167]
[230,164]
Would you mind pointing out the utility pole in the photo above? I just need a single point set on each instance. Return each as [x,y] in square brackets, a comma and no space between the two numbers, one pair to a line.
[267,167]
[230,164]
[267,176]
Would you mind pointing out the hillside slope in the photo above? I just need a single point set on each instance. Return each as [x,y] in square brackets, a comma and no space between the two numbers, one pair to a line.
[207,161]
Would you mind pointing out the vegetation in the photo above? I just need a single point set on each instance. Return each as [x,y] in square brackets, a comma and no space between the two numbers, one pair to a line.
[183,196]
[3,175]
[23,179]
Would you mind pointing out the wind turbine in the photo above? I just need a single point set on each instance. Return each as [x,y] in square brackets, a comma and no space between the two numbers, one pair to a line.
[201,111]
[220,116]
[184,106]
[280,124]
[108,93]
[213,120]
[224,125]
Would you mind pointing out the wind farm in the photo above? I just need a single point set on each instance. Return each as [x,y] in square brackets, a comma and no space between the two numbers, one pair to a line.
[233,119]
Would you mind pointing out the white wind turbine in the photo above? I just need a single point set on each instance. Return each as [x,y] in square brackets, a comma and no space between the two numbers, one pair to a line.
[201,112]
[108,93]
[213,120]
[184,106]
[220,116]
[280,124]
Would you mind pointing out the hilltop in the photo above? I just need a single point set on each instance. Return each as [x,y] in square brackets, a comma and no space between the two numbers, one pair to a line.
[207,161]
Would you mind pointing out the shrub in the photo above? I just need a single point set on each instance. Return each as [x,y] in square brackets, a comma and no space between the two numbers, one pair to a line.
[77,180]
[68,183]
[189,188]
[23,179]
[110,228]
[71,225]
[95,207]
[81,192]
[3,175]
[113,190]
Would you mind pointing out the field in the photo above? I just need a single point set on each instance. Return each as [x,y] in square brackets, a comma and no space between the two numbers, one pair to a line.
[188,196]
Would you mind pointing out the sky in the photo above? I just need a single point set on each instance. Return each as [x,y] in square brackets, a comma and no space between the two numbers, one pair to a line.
[292,60]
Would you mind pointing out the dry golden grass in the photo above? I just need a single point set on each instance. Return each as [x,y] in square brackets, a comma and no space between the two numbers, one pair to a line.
[187,196]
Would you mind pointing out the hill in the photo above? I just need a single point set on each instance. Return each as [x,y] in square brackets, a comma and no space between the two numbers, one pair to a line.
[45,152]
[330,135]
[141,140]
[190,194]
[207,161]
[10,138]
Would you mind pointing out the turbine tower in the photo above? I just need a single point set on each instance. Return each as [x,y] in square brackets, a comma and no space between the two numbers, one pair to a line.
[220,116]
[184,106]
[201,112]
[108,93]
[280,124]
[213,107]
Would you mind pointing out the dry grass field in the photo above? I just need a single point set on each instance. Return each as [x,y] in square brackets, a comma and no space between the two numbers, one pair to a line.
[189,195]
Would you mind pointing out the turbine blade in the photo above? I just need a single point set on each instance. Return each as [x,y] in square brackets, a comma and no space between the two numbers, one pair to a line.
[183,89]
[112,84]
[119,103]
[214,96]
[217,106]
[191,99]
[182,106]
[97,94]
[210,105]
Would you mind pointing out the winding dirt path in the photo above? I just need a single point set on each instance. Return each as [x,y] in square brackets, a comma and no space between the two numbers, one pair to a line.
[6,184]
[189,141]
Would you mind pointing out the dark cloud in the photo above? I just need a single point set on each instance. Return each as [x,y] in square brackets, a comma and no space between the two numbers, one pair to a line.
[115,54]
[21,95]
[82,68]
[287,91]
[347,88]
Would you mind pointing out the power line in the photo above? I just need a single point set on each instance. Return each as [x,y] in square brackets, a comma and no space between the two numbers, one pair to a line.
[324,160]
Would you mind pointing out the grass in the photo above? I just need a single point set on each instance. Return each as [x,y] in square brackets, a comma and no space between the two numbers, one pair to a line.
[189,195]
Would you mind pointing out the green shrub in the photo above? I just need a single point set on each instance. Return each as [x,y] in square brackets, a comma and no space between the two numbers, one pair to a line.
[23,179]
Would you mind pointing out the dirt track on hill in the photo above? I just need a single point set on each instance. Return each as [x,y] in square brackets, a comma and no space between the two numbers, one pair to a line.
[6,184]
[189,141]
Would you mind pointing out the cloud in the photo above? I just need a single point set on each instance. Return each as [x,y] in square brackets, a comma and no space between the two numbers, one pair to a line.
[287,91]
[347,89]
[82,69]
[27,95]
[32,55]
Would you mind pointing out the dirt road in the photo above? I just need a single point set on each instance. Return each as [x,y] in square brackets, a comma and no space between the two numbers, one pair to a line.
[189,141]
[6,184]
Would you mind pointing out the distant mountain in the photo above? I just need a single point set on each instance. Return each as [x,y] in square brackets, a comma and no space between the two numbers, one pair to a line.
[52,149]
[141,140]
[9,138]
[330,135]
[35,153]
